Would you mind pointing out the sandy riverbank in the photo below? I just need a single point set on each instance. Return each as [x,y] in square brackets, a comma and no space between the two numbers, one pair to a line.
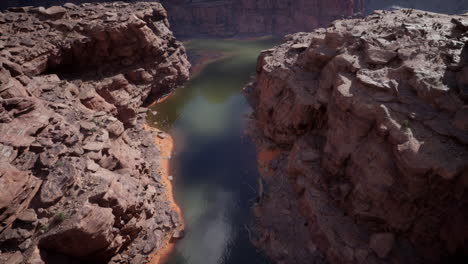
[165,146]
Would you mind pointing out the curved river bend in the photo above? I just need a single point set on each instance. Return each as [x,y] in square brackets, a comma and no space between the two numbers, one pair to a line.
[213,162]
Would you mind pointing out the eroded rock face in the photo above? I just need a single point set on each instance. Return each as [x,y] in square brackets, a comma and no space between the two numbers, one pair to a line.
[368,119]
[229,18]
[446,7]
[78,174]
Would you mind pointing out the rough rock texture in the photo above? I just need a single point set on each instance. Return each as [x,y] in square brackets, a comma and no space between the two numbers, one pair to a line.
[228,18]
[369,120]
[5,4]
[78,174]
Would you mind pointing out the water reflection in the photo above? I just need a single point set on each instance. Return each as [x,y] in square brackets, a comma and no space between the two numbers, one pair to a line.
[214,165]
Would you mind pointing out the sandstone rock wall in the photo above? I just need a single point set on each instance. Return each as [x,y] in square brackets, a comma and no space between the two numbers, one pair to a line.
[78,176]
[446,7]
[5,4]
[227,18]
[368,124]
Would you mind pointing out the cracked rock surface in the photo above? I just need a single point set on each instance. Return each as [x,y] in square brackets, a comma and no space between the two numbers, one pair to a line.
[369,120]
[79,176]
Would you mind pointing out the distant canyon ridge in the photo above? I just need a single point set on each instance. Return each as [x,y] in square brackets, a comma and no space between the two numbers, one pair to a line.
[252,18]
[233,18]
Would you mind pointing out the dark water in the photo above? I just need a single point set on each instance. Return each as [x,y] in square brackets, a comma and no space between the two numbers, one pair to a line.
[214,164]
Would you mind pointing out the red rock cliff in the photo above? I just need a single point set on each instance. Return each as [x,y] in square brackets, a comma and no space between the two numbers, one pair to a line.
[366,126]
[251,17]
[78,176]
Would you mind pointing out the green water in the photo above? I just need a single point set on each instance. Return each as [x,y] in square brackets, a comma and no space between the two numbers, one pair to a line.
[214,164]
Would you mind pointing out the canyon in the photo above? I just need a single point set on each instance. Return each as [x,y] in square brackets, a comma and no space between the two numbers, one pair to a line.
[360,126]
[362,135]
[80,177]
[241,18]
[245,18]
[228,18]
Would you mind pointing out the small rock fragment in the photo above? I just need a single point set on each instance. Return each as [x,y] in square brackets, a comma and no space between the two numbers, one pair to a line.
[178,234]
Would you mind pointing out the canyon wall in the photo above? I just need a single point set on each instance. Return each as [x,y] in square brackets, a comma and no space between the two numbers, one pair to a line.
[79,176]
[4,4]
[446,6]
[362,135]
[227,18]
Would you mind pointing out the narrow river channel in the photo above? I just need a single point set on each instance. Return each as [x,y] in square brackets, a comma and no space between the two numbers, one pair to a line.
[213,162]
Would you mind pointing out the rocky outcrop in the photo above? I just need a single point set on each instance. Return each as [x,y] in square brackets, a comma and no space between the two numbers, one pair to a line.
[5,4]
[227,18]
[78,173]
[365,127]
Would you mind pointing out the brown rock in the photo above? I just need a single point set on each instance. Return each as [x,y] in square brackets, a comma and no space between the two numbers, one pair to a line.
[19,189]
[92,166]
[382,243]
[93,225]
[14,68]
[382,133]
[62,93]
[54,12]
[70,6]
[94,101]
[65,174]
[35,257]
[379,56]
[15,258]
[13,88]
[115,128]
[178,234]
[35,66]
[28,216]
[7,153]
[93,146]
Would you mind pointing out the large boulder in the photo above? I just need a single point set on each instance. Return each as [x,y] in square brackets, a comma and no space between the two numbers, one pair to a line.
[92,225]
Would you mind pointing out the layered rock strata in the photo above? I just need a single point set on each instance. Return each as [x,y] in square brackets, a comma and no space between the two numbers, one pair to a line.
[227,18]
[365,126]
[78,173]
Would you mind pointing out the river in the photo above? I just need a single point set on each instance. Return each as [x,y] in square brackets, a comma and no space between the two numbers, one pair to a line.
[213,163]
